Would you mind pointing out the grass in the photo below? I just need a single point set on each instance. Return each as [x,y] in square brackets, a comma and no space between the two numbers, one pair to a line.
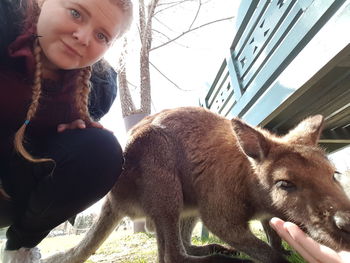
[121,246]
[125,247]
[259,232]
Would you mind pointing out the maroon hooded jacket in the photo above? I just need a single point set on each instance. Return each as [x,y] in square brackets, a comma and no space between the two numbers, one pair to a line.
[57,105]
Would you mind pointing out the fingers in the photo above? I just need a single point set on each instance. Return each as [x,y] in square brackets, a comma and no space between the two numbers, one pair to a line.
[319,252]
[77,124]
[278,225]
[345,256]
[309,249]
[100,126]
[61,127]
[96,125]
[4,195]
[306,247]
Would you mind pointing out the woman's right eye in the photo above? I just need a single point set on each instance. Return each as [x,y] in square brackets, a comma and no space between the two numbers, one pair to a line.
[75,14]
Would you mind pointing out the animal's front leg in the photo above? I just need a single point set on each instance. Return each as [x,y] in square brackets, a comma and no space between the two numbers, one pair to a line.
[243,240]
[170,248]
[273,238]
[162,201]
[168,237]
[186,227]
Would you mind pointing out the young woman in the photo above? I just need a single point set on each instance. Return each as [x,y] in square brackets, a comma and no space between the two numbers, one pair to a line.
[55,158]
[308,248]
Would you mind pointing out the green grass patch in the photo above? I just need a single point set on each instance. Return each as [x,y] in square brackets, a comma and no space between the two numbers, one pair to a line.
[125,247]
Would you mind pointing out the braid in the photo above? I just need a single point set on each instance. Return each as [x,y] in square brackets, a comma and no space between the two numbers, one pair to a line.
[82,94]
[19,136]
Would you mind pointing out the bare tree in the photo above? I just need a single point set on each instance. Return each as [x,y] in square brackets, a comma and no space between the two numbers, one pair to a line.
[150,12]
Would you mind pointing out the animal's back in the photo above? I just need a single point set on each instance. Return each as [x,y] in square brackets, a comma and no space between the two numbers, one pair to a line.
[192,131]
[184,123]
[189,145]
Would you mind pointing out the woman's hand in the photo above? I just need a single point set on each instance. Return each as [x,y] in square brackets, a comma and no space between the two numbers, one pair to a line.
[308,248]
[77,124]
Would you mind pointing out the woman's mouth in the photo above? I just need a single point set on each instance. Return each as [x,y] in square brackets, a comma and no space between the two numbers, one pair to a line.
[70,50]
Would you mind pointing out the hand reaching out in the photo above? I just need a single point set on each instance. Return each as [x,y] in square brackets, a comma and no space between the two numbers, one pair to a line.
[77,124]
[308,248]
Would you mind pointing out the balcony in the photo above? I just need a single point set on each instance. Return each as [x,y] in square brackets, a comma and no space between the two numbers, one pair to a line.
[288,60]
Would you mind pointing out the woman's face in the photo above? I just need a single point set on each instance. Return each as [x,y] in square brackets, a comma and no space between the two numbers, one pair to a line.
[77,33]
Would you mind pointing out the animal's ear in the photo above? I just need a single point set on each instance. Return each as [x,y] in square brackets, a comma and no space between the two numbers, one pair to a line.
[253,142]
[307,131]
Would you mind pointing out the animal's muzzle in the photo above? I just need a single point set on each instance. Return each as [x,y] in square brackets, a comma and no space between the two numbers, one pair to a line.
[342,221]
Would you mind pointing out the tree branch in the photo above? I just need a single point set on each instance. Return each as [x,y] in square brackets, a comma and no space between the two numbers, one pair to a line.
[168,38]
[168,79]
[171,5]
[190,30]
[197,13]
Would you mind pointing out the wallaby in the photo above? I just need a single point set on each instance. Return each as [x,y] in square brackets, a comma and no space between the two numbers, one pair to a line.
[188,162]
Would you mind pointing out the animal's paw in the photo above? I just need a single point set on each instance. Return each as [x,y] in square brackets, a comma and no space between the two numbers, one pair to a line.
[210,249]
[285,252]
[219,249]
[218,258]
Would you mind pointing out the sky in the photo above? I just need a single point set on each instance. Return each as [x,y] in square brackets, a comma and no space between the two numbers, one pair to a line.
[191,62]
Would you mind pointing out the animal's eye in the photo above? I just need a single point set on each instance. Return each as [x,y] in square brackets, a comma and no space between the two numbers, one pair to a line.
[336,176]
[286,185]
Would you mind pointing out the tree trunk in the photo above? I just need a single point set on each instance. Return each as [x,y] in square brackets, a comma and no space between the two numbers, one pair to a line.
[130,121]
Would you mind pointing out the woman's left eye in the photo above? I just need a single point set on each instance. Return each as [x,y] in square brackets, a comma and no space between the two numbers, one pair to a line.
[102,37]
[75,13]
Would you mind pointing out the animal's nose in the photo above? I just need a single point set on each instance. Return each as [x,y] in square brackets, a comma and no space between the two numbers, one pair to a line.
[342,220]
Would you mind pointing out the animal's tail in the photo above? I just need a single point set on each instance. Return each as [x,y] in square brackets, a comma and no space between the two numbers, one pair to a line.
[98,233]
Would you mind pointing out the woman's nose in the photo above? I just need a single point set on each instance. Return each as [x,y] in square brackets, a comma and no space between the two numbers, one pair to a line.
[82,35]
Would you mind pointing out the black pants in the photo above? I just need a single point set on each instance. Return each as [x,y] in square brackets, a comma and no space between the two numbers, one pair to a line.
[87,165]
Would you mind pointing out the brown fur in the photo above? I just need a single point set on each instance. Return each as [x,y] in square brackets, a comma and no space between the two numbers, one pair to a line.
[189,162]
